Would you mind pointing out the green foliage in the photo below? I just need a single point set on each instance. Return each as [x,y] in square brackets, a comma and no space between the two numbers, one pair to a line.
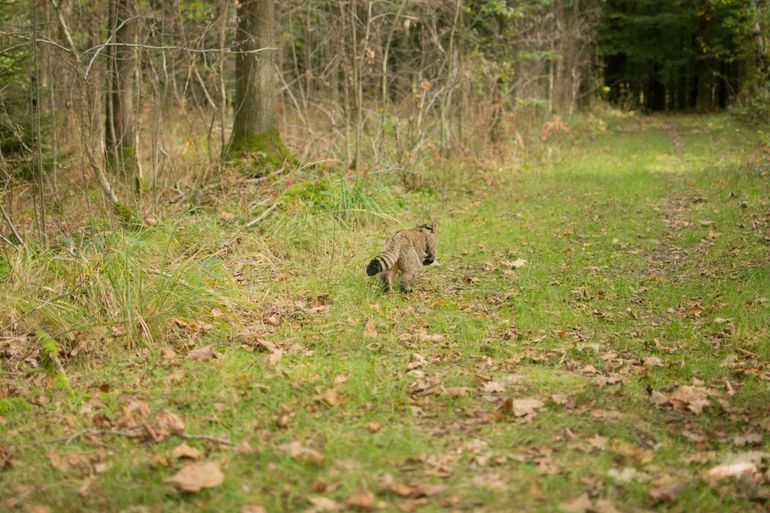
[49,349]
[672,55]
[347,201]
[127,215]
[755,108]
[49,358]
[18,133]
[5,268]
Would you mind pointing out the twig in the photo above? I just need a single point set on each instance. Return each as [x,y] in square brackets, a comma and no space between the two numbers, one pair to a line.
[746,352]
[185,283]
[207,438]
[260,179]
[144,46]
[261,217]
[13,228]
[139,434]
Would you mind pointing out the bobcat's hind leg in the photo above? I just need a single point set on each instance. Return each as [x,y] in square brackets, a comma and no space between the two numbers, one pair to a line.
[407,281]
[409,264]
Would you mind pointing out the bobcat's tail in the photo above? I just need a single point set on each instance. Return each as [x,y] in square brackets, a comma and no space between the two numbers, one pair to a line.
[381,262]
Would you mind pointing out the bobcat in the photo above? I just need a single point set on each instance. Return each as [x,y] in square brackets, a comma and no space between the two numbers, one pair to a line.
[404,251]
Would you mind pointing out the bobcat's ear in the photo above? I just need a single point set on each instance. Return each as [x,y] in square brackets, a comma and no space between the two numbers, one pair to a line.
[434,226]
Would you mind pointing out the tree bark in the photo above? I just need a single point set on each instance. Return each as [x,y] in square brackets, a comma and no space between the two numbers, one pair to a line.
[255,128]
[121,74]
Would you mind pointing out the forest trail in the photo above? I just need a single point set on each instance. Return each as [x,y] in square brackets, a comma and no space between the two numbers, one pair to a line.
[594,336]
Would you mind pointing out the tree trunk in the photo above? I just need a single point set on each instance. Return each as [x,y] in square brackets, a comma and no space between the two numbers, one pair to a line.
[121,73]
[255,129]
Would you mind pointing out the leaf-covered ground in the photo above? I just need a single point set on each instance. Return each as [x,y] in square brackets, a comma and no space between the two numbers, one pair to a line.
[595,337]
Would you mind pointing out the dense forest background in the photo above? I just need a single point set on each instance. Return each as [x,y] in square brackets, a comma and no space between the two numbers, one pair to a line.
[141,96]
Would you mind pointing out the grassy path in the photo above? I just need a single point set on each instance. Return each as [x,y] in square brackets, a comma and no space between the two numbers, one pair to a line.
[626,357]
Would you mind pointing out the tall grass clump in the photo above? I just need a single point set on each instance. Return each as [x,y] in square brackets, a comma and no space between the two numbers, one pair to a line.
[127,285]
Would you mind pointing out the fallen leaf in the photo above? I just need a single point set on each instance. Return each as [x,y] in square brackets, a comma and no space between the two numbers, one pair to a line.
[185,451]
[490,481]
[604,506]
[658,398]
[373,427]
[666,489]
[299,453]
[515,264]
[253,508]
[57,461]
[203,354]
[457,391]
[273,319]
[370,330]
[361,501]
[748,439]
[323,504]
[168,353]
[6,459]
[195,476]
[134,414]
[168,423]
[653,361]
[627,475]
[330,397]
[492,387]
[579,505]
[736,469]
[275,357]
[423,386]
[693,437]
[598,442]
[85,488]
[65,462]
[560,399]
[418,361]
[402,489]
[244,448]
[522,407]
[692,397]
[424,337]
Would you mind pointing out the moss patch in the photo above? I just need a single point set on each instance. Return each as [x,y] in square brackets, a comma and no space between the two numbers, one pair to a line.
[127,215]
[265,151]
[13,405]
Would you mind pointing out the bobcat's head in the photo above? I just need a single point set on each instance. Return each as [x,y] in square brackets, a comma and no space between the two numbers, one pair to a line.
[430,238]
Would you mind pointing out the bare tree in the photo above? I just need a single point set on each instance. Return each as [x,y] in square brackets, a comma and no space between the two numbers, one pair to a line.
[255,128]
[121,74]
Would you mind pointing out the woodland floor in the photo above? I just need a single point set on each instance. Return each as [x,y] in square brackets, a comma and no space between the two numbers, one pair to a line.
[595,337]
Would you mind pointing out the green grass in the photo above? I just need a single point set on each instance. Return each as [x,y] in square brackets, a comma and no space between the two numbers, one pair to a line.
[621,266]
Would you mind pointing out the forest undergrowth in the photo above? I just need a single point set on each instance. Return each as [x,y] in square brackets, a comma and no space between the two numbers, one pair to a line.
[593,337]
